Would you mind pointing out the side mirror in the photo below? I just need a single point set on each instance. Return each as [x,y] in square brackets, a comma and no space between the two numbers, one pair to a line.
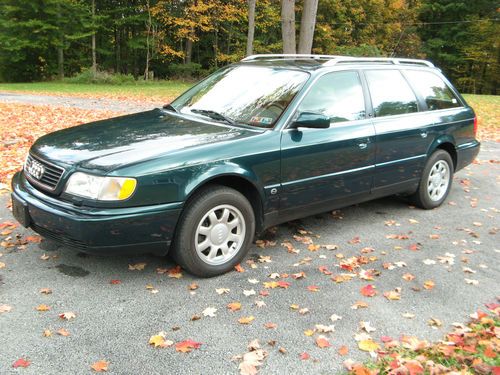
[311,120]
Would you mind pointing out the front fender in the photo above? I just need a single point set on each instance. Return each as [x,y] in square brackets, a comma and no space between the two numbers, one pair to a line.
[224,169]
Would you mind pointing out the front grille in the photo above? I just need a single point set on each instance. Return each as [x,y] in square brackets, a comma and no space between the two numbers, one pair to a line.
[49,178]
[57,237]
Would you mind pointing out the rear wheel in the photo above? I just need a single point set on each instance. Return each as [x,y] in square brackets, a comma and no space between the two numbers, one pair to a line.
[214,232]
[436,181]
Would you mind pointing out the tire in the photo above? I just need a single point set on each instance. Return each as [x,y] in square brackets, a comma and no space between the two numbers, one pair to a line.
[220,218]
[432,191]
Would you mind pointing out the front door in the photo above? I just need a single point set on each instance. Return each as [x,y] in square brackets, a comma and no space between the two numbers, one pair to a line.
[325,167]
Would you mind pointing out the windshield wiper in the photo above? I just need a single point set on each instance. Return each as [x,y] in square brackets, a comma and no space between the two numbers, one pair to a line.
[170,107]
[214,115]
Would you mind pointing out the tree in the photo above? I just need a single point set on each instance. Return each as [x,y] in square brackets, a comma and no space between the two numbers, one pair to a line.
[307,25]
[288,25]
[251,26]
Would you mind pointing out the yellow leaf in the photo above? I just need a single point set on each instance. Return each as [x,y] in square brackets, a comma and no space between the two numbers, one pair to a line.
[43,307]
[368,345]
[234,306]
[246,320]
[309,332]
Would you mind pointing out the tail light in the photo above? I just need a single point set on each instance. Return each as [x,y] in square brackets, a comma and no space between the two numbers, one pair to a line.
[475,125]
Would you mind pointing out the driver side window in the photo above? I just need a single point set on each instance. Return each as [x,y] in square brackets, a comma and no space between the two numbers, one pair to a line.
[337,95]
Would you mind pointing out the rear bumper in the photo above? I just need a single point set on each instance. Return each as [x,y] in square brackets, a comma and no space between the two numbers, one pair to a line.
[147,229]
[466,154]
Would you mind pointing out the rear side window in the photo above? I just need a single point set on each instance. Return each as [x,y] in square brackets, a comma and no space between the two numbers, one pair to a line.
[390,93]
[434,90]
[337,95]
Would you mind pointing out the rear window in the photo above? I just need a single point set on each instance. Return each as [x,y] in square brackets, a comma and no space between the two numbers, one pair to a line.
[390,93]
[434,90]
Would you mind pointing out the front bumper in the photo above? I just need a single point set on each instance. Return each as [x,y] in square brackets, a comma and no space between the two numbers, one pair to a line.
[146,229]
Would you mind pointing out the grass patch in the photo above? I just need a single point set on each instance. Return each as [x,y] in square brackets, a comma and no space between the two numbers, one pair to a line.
[139,90]
[487,107]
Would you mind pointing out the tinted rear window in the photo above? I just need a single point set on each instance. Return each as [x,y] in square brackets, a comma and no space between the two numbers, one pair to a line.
[434,90]
[390,93]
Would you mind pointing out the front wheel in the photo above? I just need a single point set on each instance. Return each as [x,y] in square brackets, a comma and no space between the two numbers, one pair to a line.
[436,181]
[214,232]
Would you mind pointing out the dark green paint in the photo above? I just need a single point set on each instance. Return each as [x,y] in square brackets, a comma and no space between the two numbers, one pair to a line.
[295,171]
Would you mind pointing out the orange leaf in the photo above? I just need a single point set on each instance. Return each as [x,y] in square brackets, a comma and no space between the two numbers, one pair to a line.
[187,345]
[429,284]
[100,366]
[234,306]
[322,342]
[343,350]
[43,307]
[304,356]
[239,268]
[313,288]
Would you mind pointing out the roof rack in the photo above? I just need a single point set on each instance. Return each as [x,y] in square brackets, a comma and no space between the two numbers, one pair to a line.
[391,60]
[334,59]
[290,56]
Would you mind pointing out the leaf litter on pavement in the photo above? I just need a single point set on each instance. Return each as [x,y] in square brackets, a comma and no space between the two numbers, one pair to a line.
[352,261]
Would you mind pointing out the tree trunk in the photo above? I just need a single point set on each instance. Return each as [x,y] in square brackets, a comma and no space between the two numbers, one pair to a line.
[94,59]
[148,32]
[307,25]
[251,26]
[189,51]
[288,25]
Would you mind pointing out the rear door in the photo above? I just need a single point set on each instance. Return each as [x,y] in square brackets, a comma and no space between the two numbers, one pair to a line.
[401,132]
[326,165]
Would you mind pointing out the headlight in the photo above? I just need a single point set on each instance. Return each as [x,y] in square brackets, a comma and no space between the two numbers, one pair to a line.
[100,188]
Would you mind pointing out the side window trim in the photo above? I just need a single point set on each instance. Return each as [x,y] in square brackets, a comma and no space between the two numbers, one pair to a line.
[369,113]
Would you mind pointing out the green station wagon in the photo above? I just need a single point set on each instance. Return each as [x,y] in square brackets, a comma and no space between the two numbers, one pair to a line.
[258,143]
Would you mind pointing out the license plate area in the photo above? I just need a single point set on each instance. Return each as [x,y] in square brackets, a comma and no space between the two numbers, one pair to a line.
[20,212]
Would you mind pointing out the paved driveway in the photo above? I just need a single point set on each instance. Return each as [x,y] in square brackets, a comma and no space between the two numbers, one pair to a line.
[118,310]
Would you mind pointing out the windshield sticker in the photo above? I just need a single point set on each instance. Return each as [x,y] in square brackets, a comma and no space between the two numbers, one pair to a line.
[261,120]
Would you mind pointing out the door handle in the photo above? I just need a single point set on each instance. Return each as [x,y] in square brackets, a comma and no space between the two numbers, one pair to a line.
[362,145]
[423,133]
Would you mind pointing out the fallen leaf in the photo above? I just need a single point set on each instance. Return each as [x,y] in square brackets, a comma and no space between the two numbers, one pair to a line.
[270,325]
[429,284]
[47,333]
[368,345]
[62,332]
[368,291]
[234,306]
[46,291]
[100,366]
[115,282]
[5,308]
[42,307]
[304,356]
[209,311]
[21,362]
[137,266]
[322,342]
[222,291]
[246,320]
[160,341]
[313,288]
[239,268]
[67,315]
[343,350]
[392,295]
[187,346]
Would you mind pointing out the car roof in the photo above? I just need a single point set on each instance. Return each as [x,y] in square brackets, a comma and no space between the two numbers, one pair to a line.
[316,62]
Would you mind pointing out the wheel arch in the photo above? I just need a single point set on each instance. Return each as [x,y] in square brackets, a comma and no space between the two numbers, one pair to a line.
[240,181]
[446,143]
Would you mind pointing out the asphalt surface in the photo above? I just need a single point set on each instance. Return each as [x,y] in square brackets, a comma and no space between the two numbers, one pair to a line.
[115,321]
[107,104]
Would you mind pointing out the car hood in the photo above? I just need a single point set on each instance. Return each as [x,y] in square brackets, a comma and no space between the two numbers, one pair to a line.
[120,141]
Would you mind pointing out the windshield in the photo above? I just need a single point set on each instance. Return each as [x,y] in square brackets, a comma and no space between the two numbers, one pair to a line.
[249,95]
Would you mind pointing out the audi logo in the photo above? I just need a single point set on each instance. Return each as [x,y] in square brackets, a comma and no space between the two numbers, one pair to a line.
[35,169]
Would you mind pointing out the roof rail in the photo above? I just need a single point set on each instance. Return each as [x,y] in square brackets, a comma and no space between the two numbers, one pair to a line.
[289,56]
[392,60]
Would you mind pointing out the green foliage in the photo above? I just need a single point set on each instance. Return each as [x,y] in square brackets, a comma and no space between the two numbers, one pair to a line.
[40,39]
[102,77]
[186,71]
